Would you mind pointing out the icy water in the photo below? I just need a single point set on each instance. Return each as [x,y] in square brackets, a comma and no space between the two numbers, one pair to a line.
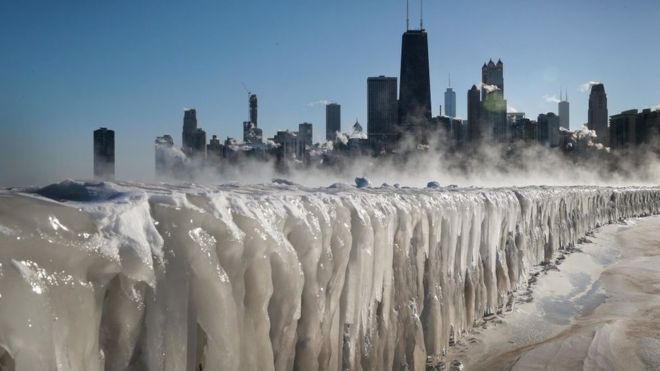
[599,311]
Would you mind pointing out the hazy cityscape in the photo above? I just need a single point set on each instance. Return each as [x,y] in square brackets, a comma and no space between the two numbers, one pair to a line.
[400,120]
[337,186]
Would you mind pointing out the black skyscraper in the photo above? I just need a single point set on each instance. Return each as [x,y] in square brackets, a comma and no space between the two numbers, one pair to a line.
[305,136]
[382,112]
[104,154]
[598,113]
[189,128]
[253,109]
[415,88]
[332,121]
[194,138]
[474,128]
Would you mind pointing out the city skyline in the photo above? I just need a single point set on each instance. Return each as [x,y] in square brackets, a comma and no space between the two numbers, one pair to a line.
[138,114]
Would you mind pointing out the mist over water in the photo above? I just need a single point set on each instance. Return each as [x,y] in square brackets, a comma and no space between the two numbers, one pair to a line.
[583,162]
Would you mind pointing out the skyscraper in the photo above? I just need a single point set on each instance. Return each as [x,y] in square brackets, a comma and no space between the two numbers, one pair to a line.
[492,74]
[415,89]
[492,99]
[253,109]
[251,132]
[104,154]
[548,129]
[474,129]
[598,113]
[194,138]
[305,134]
[189,128]
[332,121]
[382,109]
[623,129]
[450,102]
[564,112]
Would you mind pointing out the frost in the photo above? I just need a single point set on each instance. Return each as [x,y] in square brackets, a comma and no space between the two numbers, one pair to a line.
[276,276]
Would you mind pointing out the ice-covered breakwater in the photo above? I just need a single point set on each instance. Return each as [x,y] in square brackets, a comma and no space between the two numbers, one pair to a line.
[121,277]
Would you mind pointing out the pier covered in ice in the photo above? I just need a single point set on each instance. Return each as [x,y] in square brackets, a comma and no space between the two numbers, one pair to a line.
[134,277]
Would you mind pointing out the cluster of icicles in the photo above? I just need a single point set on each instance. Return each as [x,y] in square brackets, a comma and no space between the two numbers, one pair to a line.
[118,277]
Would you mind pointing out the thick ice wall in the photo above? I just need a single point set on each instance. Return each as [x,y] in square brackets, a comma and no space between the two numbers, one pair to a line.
[272,277]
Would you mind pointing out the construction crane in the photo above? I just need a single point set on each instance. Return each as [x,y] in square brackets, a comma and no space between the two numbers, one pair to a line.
[252,99]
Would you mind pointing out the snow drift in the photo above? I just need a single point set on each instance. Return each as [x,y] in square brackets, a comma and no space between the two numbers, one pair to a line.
[119,276]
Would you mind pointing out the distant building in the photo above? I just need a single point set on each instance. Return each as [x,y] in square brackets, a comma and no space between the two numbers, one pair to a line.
[189,128]
[253,109]
[492,74]
[332,121]
[382,111]
[648,126]
[214,150]
[475,130]
[251,133]
[623,129]
[525,129]
[522,128]
[104,154]
[564,113]
[357,128]
[450,102]
[289,145]
[598,116]
[454,129]
[633,128]
[493,104]
[305,135]
[415,85]
[548,129]
[513,117]
[193,138]
[198,143]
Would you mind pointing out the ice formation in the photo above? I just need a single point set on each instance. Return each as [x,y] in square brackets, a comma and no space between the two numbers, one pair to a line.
[135,277]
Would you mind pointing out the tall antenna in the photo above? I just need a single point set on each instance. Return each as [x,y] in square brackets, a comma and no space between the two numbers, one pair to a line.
[450,79]
[407,15]
[421,14]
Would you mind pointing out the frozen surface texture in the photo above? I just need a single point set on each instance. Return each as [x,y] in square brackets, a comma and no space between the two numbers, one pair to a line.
[122,276]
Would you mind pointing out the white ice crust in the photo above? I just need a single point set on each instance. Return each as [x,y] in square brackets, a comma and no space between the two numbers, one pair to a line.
[272,277]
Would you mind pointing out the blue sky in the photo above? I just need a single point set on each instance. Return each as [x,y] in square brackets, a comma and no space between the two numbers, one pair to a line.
[69,67]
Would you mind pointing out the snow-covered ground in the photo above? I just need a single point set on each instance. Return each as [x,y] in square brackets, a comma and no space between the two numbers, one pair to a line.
[126,276]
[598,311]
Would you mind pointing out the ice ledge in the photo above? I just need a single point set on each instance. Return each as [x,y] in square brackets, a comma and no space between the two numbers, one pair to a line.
[273,276]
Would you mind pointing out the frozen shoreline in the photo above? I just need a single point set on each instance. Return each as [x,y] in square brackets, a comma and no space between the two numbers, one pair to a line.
[598,311]
[274,277]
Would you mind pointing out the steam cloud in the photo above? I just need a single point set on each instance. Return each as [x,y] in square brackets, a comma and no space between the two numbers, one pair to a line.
[322,102]
[490,88]
[551,98]
[587,86]
[583,161]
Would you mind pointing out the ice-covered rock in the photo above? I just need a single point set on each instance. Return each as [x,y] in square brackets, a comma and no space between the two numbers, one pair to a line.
[273,278]
[361,182]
